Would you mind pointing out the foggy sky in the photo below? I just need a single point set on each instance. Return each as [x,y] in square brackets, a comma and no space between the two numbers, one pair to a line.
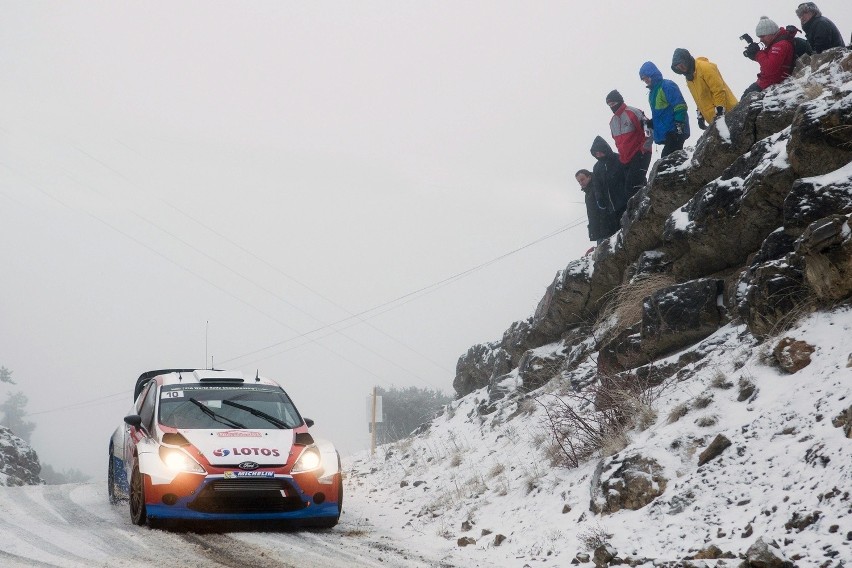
[181,181]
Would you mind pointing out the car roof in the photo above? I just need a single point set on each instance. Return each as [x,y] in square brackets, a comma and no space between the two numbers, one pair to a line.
[198,377]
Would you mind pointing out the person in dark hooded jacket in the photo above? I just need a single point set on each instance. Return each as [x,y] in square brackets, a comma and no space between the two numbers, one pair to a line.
[608,184]
[668,109]
[821,32]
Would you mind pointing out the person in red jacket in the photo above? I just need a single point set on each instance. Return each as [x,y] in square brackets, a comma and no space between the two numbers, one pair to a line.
[776,57]
[634,145]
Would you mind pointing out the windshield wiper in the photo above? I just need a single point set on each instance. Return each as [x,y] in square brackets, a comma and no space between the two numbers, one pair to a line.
[216,417]
[258,413]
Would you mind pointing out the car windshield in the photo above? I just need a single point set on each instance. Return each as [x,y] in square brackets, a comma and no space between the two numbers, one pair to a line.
[212,407]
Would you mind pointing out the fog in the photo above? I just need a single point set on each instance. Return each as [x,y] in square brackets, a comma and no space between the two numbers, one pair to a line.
[335,194]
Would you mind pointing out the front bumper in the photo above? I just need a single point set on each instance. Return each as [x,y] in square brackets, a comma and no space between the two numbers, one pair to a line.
[224,497]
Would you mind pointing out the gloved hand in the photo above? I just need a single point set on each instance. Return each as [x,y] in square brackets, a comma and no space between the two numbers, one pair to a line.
[673,137]
[679,128]
[702,124]
[751,50]
[720,111]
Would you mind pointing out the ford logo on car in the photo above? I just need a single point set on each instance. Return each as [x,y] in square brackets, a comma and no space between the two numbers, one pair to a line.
[248,465]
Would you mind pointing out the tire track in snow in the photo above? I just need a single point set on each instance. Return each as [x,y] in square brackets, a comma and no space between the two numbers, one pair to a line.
[230,552]
[9,560]
[51,535]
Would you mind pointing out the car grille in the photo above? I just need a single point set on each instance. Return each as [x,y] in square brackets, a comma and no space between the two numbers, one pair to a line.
[247,496]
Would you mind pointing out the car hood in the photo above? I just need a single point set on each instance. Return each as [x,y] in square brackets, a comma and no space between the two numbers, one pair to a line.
[228,447]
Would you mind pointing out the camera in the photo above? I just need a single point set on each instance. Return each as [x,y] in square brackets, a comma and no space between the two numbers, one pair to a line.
[747,38]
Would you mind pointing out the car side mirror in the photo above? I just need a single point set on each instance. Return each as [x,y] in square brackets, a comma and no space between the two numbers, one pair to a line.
[309,422]
[133,420]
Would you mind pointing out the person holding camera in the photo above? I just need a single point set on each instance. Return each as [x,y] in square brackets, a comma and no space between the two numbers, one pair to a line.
[776,57]
[712,95]
[668,109]
[821,32]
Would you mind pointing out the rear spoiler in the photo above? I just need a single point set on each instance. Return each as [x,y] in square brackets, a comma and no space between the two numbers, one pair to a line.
[148,375]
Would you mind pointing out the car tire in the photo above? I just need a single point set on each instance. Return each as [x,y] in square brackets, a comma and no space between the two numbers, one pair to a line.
[138,514]
[113,498]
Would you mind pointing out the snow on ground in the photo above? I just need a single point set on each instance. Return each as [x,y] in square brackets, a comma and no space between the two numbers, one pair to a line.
[74,526]
[482,476]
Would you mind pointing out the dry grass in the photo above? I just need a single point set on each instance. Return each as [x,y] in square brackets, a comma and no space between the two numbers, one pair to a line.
[623,304]
[678,412]
[703,400]
[720,381]
[707,421]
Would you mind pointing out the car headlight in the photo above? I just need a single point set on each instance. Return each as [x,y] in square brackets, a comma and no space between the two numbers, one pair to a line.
[309,460]
[178,460]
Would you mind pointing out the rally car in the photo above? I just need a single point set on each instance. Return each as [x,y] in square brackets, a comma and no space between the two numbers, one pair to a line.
[202,445]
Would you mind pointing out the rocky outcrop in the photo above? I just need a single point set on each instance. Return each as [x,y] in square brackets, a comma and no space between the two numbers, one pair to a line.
[680,315]
[476,367]
[19,463]
[792,355]
[762,204]
[627,483]
[566,302]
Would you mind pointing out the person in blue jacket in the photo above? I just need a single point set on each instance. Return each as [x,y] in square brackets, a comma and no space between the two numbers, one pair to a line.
[668,109]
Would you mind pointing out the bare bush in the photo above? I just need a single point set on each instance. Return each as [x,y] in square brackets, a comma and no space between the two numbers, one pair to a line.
[594,536]
[623,304]
[596,420]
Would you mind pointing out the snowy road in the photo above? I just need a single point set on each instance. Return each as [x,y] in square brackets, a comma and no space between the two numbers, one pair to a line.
[75,526]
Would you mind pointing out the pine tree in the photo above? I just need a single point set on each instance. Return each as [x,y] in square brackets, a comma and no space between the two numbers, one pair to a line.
[404,409]
[15,414]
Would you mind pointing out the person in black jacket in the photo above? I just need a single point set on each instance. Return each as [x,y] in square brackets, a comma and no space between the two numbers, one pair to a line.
[599,223]
[821,32]
[608,185]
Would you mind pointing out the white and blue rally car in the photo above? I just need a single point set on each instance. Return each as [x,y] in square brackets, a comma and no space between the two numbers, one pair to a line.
[212,445]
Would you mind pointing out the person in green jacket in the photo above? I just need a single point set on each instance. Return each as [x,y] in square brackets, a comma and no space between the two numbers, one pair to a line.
[712,95]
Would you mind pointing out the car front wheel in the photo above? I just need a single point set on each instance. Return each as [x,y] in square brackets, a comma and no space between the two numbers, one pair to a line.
[137,498]
[113,498]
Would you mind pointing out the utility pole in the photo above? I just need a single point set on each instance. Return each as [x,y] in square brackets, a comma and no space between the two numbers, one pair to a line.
[373,426]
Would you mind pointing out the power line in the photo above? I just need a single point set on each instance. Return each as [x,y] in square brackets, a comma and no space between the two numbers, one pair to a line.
[416,294]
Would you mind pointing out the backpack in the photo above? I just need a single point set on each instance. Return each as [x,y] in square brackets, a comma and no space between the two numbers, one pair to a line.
[800,45]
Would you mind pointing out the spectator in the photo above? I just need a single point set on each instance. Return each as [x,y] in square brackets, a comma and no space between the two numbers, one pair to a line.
[668,109]
[776,57]
[599,221]
[712,95]
[608,184]
[821,32]
[633,145]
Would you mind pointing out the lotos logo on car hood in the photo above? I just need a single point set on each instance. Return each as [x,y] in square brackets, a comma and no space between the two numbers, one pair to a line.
[271,447]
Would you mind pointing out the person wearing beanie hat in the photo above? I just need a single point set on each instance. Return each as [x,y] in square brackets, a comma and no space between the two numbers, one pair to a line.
[634,146]
[712,95]
[776,57]
[668,109]
[765,27]
[821,32]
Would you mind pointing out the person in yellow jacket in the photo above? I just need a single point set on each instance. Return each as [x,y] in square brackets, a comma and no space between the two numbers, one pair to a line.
[712,95]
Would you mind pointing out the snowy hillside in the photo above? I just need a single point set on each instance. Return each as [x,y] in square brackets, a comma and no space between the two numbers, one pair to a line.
[786,477]
[683,395]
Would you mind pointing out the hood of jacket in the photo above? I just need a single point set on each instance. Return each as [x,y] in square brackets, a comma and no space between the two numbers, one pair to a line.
[600,145]
[682,55]
[648,69]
